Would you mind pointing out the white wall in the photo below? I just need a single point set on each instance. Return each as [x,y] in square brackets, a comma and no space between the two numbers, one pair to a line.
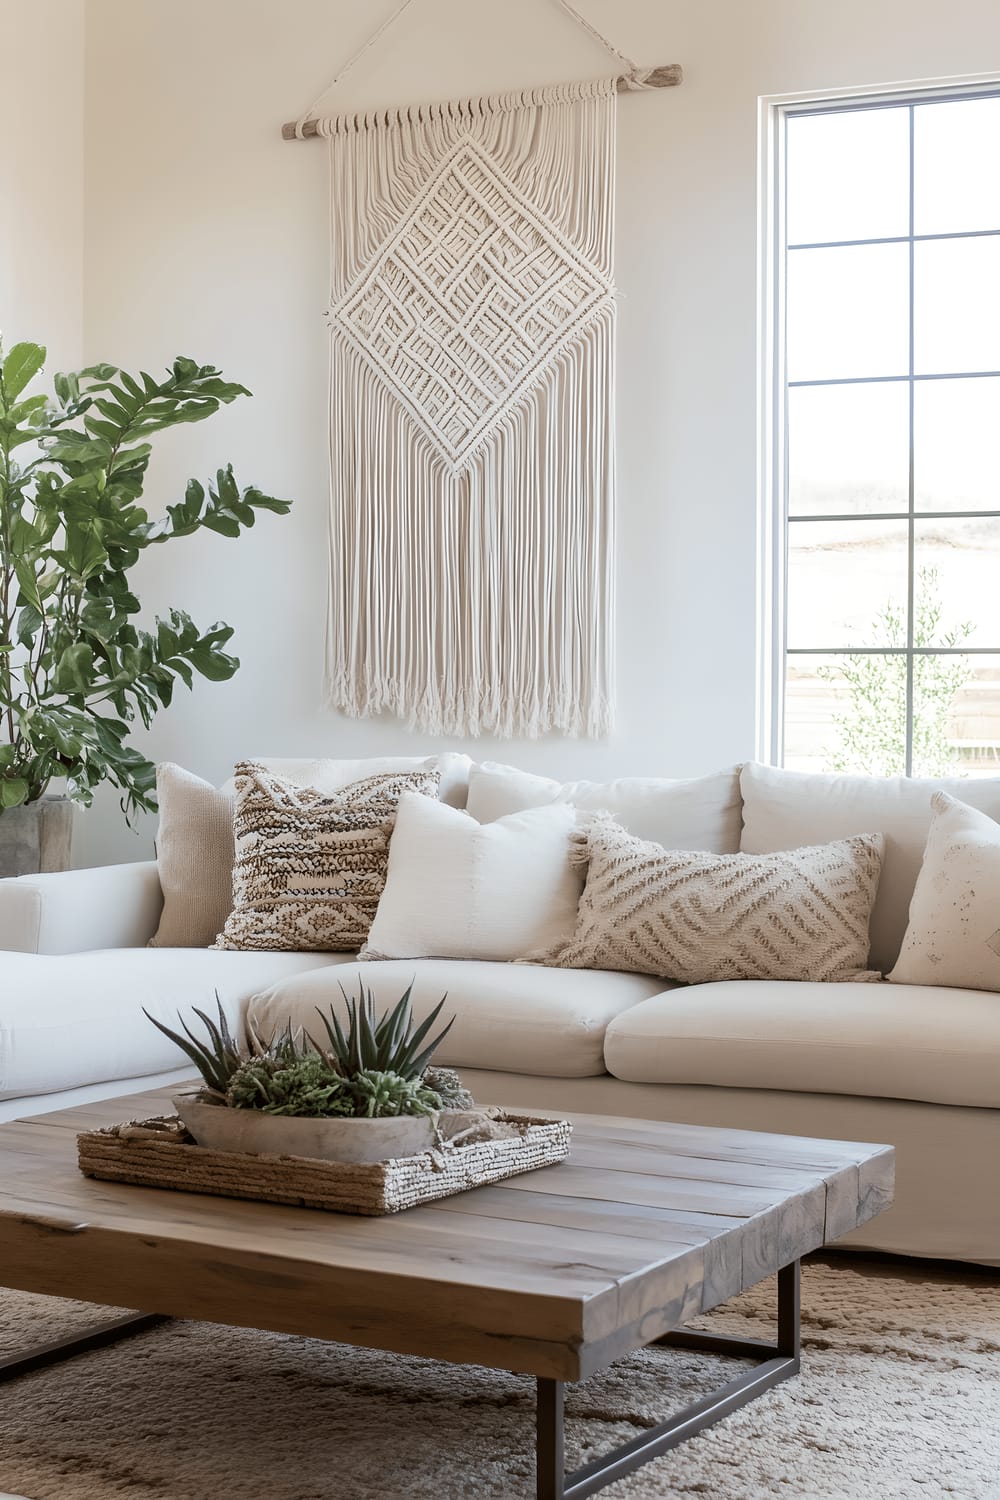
[205,234]
[41,176]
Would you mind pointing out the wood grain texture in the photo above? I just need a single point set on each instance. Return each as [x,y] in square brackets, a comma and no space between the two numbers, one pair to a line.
[554,1273]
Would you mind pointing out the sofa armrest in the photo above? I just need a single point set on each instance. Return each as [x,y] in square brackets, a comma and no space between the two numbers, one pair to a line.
[111,906]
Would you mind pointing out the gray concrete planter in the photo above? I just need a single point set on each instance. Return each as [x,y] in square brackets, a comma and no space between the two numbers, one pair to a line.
[37,837]
[223,1129]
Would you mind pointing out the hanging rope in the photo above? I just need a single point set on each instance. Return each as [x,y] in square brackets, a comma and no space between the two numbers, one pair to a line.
[349,64]
[598,36]
[637,75]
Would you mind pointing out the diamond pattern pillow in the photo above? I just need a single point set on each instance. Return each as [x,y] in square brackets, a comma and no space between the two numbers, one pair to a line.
[310,867]
[695,917]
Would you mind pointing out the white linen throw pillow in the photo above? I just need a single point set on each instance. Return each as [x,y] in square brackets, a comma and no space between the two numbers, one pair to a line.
[456,888]
[953,935]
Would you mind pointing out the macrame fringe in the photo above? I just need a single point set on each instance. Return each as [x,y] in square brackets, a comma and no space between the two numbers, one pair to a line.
[472,515]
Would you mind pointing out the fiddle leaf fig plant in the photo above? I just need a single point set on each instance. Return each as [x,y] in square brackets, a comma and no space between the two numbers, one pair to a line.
[76,671]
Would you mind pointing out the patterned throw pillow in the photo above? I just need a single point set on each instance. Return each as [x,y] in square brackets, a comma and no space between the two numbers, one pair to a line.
[696,917]
[310,868]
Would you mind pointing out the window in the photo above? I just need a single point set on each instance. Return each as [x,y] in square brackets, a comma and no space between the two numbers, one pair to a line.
[889,392]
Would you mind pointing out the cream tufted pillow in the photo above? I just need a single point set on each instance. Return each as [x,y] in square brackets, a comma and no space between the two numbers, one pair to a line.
[696,917]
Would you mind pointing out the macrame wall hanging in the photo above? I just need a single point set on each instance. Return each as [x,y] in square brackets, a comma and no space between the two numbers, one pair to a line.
[472,393]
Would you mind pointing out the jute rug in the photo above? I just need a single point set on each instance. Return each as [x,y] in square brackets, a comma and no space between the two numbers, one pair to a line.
[899,1396]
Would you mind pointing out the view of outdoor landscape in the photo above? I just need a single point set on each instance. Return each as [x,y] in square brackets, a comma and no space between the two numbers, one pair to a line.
[893,439]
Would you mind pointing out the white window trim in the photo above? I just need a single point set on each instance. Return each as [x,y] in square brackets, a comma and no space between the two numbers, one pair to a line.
[771,442]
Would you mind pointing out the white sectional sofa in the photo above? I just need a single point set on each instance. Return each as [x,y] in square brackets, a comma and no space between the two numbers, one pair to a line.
[914,1066]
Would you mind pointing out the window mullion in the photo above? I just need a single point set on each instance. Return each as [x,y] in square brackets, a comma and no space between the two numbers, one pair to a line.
[911,489]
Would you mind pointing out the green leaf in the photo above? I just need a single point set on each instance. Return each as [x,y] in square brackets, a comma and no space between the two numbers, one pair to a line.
[213,664]
[29,621]
[75,669]
[67,387]
[77,447]
[84,551]
[27,583]
[33,407]
[14,792]
[7,753]
[22,364]
[223,524]
[167,640]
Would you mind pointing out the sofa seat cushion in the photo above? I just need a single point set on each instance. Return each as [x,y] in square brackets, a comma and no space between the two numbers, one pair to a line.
[513,1018]
[73,1019]
[894,1041]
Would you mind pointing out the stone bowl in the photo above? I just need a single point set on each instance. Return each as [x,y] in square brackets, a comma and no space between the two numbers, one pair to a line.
[252,1131]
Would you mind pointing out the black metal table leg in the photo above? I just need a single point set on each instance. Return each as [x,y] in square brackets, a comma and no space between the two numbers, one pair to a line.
[550,1449]
[776,1362]
[97,1337]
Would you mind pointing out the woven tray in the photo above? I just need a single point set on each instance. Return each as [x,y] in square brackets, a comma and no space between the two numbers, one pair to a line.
[160,1153]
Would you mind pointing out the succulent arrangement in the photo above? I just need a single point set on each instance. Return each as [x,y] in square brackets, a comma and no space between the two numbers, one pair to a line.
[378,1067]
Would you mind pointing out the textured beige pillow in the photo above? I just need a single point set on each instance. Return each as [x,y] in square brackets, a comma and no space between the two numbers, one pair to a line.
[953,936]
[194,859]
[696,917]
[310,868]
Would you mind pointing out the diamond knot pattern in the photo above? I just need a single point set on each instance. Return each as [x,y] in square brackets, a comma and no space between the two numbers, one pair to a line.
[469,299]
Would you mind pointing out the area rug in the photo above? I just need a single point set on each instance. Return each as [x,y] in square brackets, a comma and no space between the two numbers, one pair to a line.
[898,1397]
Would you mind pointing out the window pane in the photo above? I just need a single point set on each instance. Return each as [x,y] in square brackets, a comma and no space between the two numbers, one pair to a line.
[956,305]
[956,147]
[848,312]
[846,713]
[957,444]
[848,448]
[956,598]
[847,583]
[847,175]
[971,726]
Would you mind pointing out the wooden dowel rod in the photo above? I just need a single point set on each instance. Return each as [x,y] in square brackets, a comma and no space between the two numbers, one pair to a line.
[666,77]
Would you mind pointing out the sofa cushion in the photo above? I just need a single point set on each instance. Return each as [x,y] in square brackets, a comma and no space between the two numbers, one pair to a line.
[694,917]
[884,1040]
[783,809]
[194,858]
[73,1019]
[194,846]
[310,868]
[702,813]
[500,890]
[512,1018]
[953,936]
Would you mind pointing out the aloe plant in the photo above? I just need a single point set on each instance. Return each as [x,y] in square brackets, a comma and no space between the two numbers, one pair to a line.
[388,1043]
[217,1058]
[378,1068]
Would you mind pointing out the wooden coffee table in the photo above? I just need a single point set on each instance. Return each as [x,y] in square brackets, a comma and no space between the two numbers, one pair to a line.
[554,1274]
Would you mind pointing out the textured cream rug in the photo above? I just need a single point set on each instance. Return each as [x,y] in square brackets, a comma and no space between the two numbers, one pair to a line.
[899,1396]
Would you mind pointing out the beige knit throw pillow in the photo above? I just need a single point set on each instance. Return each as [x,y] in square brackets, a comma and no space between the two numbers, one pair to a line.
[696,917]
[310,868]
